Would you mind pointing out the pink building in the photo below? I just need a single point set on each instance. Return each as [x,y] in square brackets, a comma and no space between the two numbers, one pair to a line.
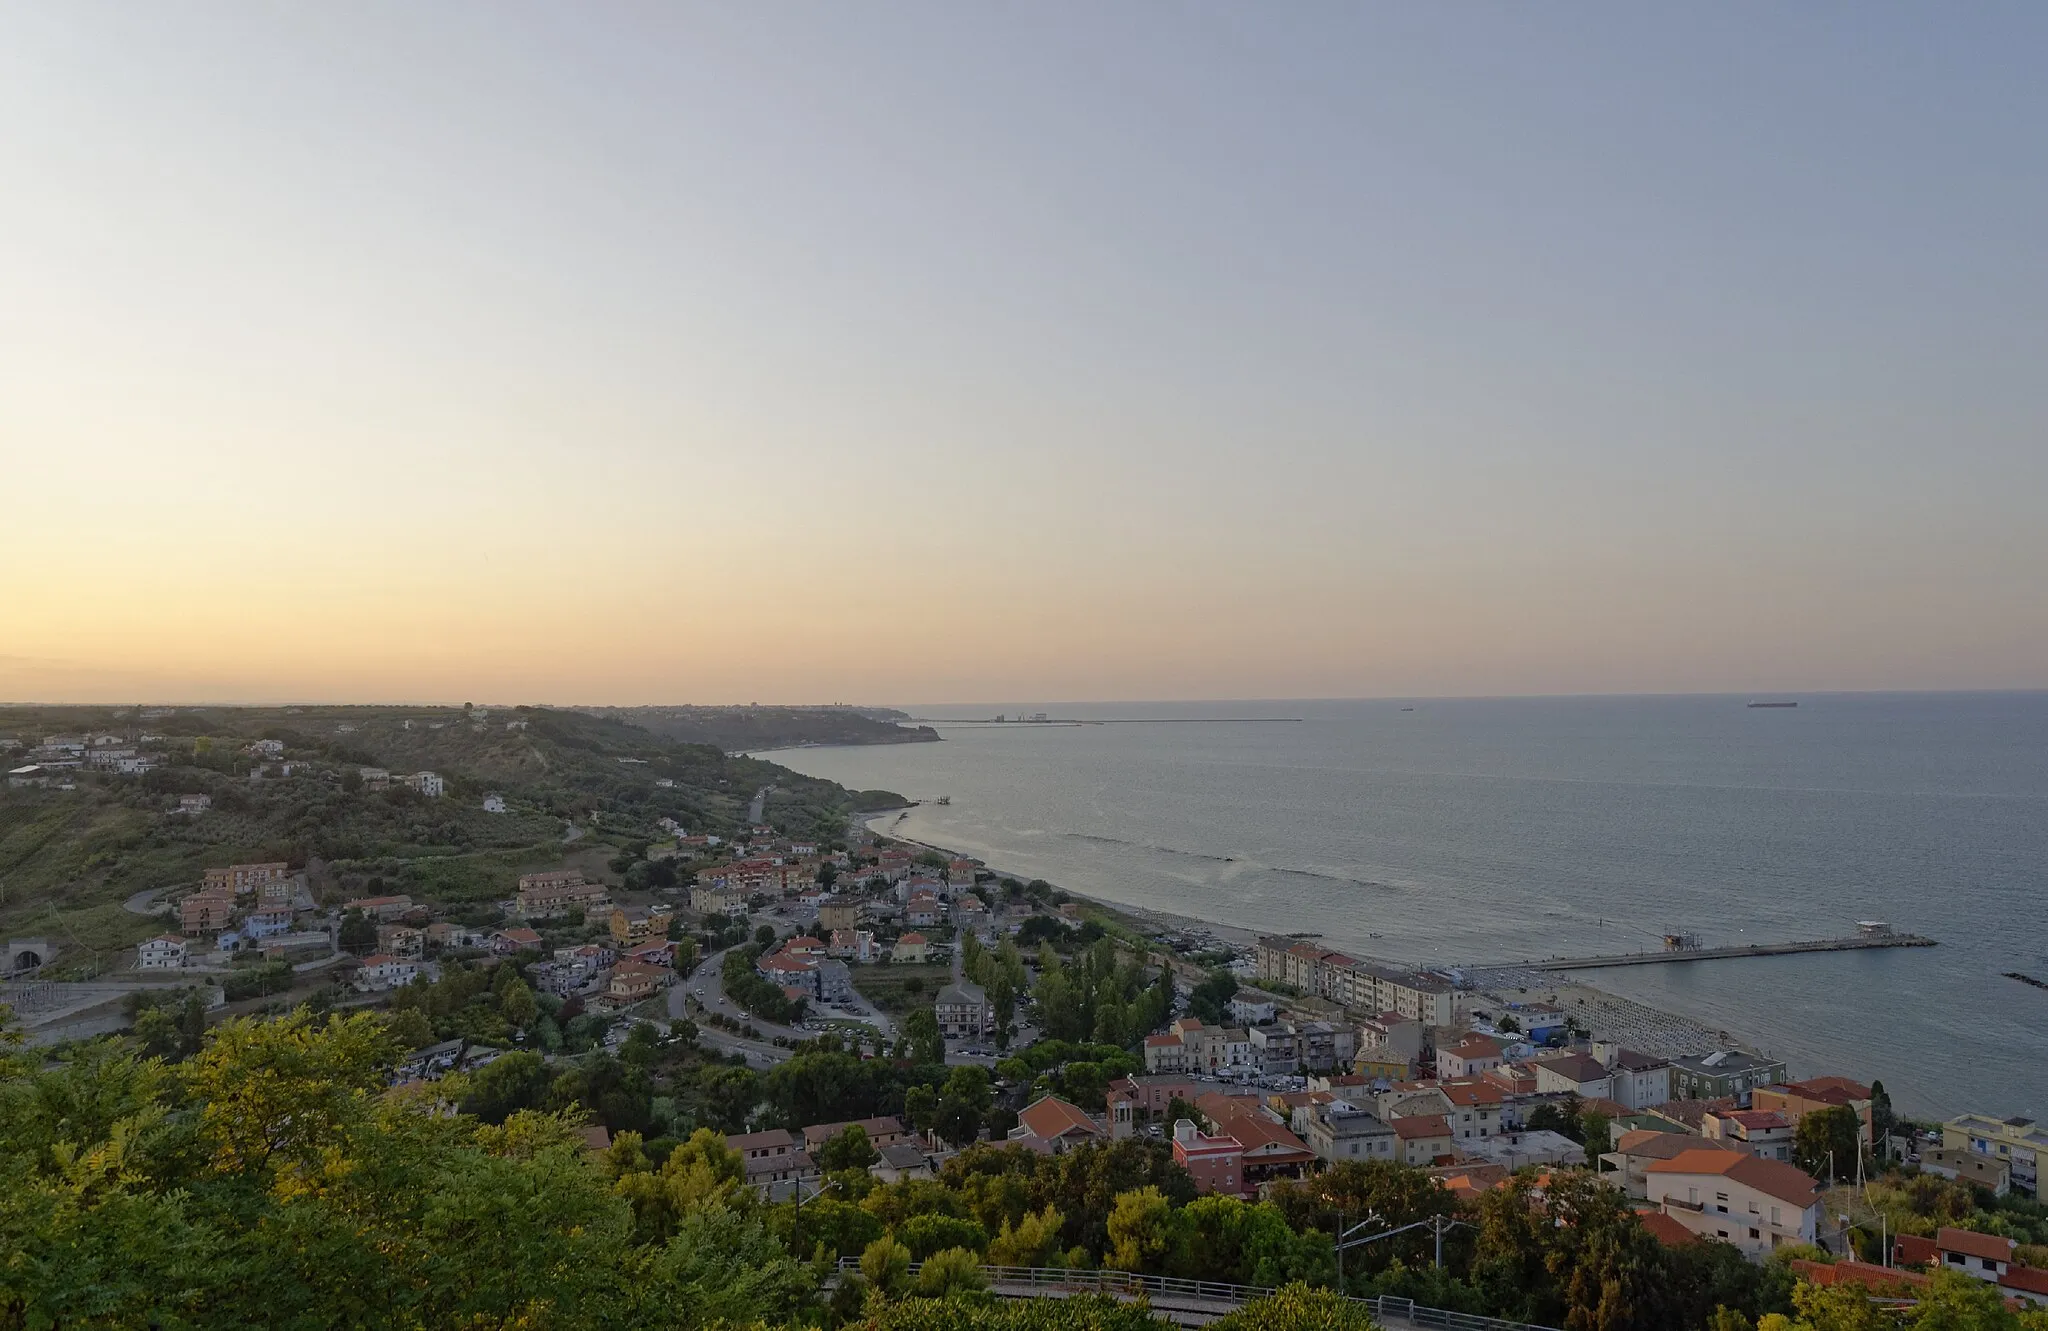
[1215,1163]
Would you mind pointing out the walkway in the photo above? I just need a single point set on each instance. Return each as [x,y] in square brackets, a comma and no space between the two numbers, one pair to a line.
[1199,1302]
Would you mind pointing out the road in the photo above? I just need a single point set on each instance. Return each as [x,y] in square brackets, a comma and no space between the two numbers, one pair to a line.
[143,903]
[760,803]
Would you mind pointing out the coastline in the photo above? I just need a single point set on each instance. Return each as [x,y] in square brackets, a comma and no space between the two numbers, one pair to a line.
[1605,1015]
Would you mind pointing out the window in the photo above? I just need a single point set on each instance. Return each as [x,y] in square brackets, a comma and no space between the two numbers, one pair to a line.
[1756,1233]
[1989,1265]
[1774,1216]
[1692,1196]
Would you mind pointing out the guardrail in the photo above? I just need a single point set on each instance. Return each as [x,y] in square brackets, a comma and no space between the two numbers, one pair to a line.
[1130,1284]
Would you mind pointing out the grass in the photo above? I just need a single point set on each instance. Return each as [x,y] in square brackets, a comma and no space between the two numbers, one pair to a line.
[889,987]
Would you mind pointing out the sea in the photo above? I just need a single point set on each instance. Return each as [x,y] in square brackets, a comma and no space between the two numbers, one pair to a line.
[1484,831]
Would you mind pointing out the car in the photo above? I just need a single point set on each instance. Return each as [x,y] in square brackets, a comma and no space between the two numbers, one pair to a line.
[743,1016]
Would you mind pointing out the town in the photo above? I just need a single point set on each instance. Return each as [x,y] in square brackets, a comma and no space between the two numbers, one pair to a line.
[858,1034]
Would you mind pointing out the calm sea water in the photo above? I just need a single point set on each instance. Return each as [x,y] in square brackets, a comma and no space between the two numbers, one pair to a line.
[1491,830]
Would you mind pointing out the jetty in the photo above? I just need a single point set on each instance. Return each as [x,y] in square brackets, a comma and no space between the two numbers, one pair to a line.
[1857,943]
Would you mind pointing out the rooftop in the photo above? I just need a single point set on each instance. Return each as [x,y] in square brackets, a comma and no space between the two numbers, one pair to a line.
[1050,1117]
[1787,1183]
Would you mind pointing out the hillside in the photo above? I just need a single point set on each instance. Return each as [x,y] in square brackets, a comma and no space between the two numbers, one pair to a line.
[578,789]
[752,729]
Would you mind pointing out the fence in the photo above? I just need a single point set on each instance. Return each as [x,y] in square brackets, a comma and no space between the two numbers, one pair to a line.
[1025,1281]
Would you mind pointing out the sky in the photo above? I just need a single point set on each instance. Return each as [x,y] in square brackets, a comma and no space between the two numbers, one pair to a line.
[817,352]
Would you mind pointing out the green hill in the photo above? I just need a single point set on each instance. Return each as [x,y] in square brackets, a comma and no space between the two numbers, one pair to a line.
[579,790]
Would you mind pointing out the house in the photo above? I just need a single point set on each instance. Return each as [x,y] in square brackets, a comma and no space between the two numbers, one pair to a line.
[661,953]
[266,748]
[1979,1256]
[960,873]
[507,941]
[1469,1057]
[31,774]
[1274,1048]
[634,925]
[165,952]
[374,778]
[719,899]
[1636,1080]
[1757,1205]
[1425,1139]
[924,911]
[265,921]
[1518,1150]
[1051,1125]
[1796,1099]
[633,981]
[1571,1074]
[964,1012]
[244,878]
[379,908]
[1340,1131]
[790,971]
[1986,1171]
[1723,1074]
[881,1132]
[1139,1099]
[1215,1163]
[381,971]
[1634,1151]
[206,912]
[426,783]
[835,912]
[1764,1131]
[494,804]
[1475,1110]
[1165,1052]
[1377,1064]
[1270,1149]
[775,1164]
[857,945]
[2018,1143]
[1252,1008]
[194,804]
[544,896]
[1321,1046]
[911,947]
[901,1160]
[400,940]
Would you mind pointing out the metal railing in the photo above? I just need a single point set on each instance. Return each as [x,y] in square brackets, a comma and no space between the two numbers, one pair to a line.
[1027,1281]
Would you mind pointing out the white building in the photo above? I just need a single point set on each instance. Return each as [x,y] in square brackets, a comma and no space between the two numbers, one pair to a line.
[1637,1080]
[384,971]
[494,804]
[165,952]
[1757,1205]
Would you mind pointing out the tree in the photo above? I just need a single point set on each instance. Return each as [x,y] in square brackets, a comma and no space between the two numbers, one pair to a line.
[952,1271]
[358,933]
[1143,1228]
[1882,1119]
[1032,1241]
[886,1265]
[1827,1141]
[517,1003]
[931,1233]
[409,1028]
[764,936]
[1298,1308]
[849,1150]
[1595,1130]
[921,1027]
[1209,997]
[502,1087]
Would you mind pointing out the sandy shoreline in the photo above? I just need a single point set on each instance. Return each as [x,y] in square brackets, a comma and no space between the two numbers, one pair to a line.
[1603,1015]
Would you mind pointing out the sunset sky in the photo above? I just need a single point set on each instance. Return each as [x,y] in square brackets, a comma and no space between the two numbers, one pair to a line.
[941,352]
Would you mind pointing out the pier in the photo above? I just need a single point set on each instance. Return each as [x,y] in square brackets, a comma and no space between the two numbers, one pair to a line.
[1853,944]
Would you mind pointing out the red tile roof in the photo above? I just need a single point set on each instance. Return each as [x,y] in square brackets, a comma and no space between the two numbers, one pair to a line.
[1421,1127]
[1787,1183]
[1972,1244]
[1051,1117]
[1870,1276]
[1665,1229]
[2028,1279]
[1915,1250]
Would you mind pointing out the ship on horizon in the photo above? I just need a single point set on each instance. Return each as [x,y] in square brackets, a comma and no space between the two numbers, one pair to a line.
[1774,704]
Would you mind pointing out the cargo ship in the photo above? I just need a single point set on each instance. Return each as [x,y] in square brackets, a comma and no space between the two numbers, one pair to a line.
[1774,704]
